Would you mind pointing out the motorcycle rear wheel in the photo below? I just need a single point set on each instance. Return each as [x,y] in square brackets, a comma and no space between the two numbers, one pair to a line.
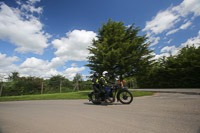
[95,99]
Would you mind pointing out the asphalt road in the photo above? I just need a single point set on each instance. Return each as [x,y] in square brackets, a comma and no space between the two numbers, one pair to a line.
[161,113]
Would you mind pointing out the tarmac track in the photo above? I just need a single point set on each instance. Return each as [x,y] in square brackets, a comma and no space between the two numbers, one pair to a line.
[163,112]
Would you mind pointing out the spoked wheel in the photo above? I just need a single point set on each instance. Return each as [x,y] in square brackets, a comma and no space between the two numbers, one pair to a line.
[125,97]
[95,99]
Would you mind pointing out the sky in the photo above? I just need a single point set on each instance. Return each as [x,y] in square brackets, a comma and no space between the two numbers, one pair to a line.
[43,38]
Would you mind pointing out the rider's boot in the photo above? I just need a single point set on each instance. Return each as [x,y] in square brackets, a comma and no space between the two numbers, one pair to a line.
[90,96]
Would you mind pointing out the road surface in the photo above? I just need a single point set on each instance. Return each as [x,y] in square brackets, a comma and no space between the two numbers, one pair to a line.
[163,112]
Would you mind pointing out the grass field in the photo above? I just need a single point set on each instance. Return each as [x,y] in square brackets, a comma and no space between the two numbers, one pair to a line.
[70,95]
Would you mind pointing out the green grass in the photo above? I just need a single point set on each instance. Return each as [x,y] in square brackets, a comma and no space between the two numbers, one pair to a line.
[70,95]
[141,93]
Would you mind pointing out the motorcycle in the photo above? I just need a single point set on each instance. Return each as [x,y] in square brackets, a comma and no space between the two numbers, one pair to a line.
[121,93]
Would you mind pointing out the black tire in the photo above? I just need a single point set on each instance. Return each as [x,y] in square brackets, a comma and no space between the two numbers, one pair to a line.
[125,97]
[95,99]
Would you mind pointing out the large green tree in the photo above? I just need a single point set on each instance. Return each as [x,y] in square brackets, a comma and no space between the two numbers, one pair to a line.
[120,50]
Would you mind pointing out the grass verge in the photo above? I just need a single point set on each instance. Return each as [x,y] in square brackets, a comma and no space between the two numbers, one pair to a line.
[70,95]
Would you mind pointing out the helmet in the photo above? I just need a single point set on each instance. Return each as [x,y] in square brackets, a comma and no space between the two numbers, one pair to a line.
[104,73]
[96,74]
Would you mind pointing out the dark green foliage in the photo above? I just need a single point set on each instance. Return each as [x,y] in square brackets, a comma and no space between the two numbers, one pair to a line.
[54,83]
[86,85]
[119,50]
[180,71]
[14,76]
[33,85]
[23,86]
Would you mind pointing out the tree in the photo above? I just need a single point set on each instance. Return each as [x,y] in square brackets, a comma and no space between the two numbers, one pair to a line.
[55,82]
[76,80]
[119,50]
[14,76]
[1,85]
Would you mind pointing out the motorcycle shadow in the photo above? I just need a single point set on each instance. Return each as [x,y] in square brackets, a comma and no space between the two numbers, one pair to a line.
[103,104]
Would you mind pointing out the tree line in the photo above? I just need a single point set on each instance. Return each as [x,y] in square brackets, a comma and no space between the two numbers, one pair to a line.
[17,85]
[178,71]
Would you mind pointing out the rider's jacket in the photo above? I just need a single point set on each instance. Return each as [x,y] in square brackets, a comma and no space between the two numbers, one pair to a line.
[103,82]
[95,81]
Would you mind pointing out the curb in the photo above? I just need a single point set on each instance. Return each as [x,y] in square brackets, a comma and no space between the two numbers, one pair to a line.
[189,93]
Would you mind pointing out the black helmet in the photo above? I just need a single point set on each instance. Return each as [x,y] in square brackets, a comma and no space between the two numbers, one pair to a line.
[96,74]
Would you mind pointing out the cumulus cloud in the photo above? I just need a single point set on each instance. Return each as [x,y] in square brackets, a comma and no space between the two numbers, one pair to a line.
[192,41]
[173,50]
[74,45]
[44,69]
[6,61]
[166,20]
[6,64]
[20,27]
[35,67]
[71,72]
[188,7]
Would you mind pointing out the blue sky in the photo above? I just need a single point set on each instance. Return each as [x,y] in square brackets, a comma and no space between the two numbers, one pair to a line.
[43,38]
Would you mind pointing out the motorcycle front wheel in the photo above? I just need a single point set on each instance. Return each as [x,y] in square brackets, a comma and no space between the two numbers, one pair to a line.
[125,97]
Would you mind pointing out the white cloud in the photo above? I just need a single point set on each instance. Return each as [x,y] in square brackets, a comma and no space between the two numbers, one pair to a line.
[186,25]
[71,72]
[36,67]
[192,41]
[169,41]
[164,20]
[182,27]
[74,46]
[43,68]
[172,32]
[20,27]
[173,50]
[73,64]
[167,19]
[154,40]
[6,61]
[188,7]
[56,62]
[6,64]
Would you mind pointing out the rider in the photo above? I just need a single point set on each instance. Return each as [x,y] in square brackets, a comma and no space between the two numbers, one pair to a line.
[104,84]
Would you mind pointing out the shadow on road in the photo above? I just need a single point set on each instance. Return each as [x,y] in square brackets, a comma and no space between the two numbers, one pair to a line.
[103,104]
[1,131]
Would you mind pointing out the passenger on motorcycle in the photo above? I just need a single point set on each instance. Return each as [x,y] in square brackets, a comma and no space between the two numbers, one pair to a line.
[103,82]
[95,84]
